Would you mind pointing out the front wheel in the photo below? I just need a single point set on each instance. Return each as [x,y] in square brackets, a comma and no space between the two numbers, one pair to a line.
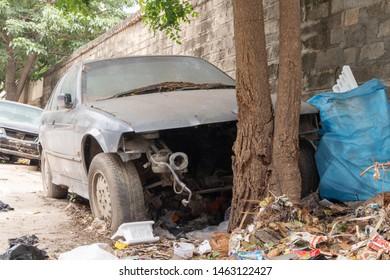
[51,190]
[115,190]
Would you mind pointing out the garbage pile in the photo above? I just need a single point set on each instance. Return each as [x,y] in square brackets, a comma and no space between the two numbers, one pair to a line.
[319,229]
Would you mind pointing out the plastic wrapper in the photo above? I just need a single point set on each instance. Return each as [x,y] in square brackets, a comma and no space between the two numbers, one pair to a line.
[207,232]
[235,241]
[204,248]
[379,243]
[252,255]
[307,255]
[119,245]
[313,240]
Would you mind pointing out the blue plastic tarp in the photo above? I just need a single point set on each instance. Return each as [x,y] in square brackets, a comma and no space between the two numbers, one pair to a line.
[355,134]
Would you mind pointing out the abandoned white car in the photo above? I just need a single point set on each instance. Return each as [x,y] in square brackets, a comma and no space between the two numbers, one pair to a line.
[141,135]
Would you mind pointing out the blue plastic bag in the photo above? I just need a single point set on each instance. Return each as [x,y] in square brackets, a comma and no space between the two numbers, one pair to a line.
[355,134]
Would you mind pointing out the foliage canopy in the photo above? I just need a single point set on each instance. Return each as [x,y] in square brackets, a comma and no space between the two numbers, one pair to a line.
[39,27]
[52,30]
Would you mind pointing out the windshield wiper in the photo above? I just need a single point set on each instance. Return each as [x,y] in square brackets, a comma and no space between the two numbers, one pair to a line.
[168,86]
[208,86]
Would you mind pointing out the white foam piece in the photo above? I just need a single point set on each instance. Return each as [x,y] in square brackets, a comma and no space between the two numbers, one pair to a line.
[346,80]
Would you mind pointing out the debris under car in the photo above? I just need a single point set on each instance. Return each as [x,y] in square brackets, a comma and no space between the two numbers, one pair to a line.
[141,144]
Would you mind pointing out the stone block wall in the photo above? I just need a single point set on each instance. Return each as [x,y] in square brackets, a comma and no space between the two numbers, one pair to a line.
[334,33]
[345,32]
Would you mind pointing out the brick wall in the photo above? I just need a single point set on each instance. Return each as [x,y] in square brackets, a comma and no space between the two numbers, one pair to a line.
[334,33]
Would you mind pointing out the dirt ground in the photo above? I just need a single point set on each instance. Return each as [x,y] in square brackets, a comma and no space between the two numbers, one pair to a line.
[59,224]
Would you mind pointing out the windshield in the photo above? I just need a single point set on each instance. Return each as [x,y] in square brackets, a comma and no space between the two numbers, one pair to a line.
[13,112]
[109,78]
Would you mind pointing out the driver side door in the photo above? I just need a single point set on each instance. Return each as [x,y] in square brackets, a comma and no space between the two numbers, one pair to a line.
[57,131]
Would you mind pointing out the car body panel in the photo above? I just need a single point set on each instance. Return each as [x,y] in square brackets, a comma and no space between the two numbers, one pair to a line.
[176,109]
[169,110]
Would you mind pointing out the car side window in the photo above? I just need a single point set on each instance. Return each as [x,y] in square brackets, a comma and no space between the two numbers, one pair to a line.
[67,84]
[52,104]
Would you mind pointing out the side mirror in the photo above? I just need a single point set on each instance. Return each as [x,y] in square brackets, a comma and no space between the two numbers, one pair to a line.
[64,100]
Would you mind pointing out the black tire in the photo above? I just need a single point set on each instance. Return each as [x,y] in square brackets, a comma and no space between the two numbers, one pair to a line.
[51,190]
[308,168]
[115,190]
[35,162]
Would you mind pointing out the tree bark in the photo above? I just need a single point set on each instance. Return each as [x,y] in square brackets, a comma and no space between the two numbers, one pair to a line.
[285,176]
[25,73]
[10,77]
[252,149]
[14,86]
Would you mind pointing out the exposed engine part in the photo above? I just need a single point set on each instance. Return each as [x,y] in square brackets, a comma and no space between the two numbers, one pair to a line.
[158,158]
[215,190]
[153,185]
[179,160]
[216,180]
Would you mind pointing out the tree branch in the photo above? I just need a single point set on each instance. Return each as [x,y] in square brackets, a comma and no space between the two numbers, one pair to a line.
[4,37]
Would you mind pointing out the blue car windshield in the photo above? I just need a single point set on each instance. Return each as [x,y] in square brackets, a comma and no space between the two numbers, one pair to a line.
[114,77]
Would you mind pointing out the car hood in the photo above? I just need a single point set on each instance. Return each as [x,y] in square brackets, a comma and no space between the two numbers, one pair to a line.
[176,109]
[23,127]
[168,110]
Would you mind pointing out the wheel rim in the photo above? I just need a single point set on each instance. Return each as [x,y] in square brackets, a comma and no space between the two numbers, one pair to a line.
[102,197]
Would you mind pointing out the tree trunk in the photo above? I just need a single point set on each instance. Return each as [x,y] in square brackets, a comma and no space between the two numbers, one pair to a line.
[252,149]
[285,172]
[13,88]
[10,77]
[25,73]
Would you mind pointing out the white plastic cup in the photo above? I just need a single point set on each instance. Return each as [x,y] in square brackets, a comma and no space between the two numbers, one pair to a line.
[183,250]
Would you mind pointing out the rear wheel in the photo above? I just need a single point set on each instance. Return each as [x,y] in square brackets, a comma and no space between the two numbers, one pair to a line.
[115,190]
[51,190]
[308,168]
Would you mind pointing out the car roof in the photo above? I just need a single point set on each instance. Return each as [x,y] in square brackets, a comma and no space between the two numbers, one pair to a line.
[135,56]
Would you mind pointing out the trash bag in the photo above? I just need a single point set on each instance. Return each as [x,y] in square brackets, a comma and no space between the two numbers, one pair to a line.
[22,248]
[30,240]
[355,134]
[5,207]
[24,251]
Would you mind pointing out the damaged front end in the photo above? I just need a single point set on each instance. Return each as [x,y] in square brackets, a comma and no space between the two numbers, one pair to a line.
[19,127]
[19,144]
[194,163]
